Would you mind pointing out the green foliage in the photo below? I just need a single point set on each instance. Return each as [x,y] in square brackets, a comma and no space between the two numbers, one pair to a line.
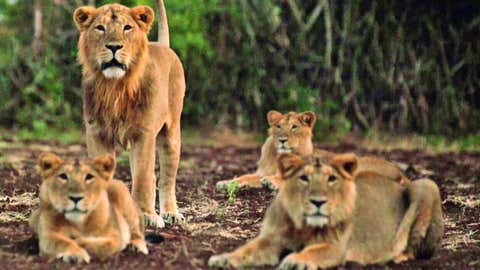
[232,191]
[396,66]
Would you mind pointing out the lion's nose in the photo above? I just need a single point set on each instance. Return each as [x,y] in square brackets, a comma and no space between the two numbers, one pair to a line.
[75,199]
[114,48]
[318,202]
[282,140]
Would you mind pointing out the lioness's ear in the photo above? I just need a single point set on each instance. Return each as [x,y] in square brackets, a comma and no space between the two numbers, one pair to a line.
[105,165]
[144,16]
[346,164]
[48,163]
[289,164]
[83,17]
[308,118]
[273,117]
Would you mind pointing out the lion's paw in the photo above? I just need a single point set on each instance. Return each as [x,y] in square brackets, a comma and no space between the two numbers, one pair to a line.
[139,245]
[153,220]
[173,218]
[222,185]
[74,255]
[220,261]
[293,262]
[266,183]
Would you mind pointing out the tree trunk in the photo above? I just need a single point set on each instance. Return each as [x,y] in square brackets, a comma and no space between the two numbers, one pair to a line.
[38,29]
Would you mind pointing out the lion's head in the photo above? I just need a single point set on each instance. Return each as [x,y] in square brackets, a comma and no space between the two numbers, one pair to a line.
[292,132]
[113,38]
[319,192]
[72,187]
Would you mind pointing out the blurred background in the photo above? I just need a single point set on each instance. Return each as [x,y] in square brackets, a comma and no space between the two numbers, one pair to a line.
[398,68]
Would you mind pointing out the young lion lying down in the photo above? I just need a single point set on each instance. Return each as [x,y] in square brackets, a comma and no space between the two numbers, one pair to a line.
[83,211]
[327,214]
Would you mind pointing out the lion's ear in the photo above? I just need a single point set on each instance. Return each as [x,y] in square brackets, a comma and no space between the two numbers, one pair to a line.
[48,163]
[83,17]
[308,118]
[273,117]
[144,16]
[346,164]
[105,165]
[289,164]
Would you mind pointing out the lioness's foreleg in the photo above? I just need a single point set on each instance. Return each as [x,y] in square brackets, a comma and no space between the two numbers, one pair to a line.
[62,247]
[142,164]
[316,256]
[261,251]
[246,180]
[102,247]
[169,143]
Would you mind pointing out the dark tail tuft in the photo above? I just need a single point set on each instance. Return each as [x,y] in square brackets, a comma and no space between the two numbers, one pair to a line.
[154,238]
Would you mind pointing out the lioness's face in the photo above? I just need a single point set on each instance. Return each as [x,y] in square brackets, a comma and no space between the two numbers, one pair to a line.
[74,187]
[324,192]
[292,132]
[113,37]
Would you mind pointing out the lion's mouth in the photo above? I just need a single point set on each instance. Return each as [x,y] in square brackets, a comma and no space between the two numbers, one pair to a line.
[113,63]
[75,211]
[284,150]
[317,220]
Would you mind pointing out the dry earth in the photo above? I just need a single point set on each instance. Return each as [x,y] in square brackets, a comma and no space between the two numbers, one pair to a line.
[215,225]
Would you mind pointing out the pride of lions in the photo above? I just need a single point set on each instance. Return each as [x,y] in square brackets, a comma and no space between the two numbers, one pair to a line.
[329,208]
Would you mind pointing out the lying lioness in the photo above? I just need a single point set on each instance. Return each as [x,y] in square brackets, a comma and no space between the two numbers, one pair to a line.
[83,211]
[327,214]
[292,133]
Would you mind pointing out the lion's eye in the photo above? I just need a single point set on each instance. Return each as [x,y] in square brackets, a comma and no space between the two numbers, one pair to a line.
[88,177]
[278,126]
[127,27]
[332,179]
[304,178]
[100,28]
[63,176]
[294,127]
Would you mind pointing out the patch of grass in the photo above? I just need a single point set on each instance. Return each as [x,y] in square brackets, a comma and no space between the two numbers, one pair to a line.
[232,191]
[64,136]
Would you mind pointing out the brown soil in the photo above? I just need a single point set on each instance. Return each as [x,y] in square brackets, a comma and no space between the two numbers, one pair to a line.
[215,225]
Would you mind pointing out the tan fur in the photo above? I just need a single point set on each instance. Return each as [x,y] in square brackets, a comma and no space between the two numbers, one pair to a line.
[102,222]
[299,141]
[138,102]
[328,214]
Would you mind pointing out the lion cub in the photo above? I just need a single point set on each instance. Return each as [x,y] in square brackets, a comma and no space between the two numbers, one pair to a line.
[328,214]
[83,211]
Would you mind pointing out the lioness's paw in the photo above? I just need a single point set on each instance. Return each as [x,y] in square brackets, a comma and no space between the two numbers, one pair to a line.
[293,262]
[266,183]
[74,255]
[220,261]
[139,245]
[173,218]
[153,220]
[222,185]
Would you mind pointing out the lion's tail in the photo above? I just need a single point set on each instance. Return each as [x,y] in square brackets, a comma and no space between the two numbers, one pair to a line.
[163,34]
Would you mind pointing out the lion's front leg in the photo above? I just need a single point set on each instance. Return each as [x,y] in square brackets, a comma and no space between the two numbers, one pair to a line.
[315,256]
[142,165]
[98,143]
[169,143]
[261,251]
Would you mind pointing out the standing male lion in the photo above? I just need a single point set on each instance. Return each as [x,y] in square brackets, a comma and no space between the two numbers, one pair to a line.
[133,94]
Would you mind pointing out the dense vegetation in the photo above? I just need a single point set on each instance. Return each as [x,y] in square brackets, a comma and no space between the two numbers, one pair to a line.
[396,66]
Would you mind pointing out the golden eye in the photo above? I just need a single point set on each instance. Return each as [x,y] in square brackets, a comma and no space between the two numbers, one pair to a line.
[278,126]
[88,177]
[127,27]
[63,176]
[100,28]
[304,178]
[294,127]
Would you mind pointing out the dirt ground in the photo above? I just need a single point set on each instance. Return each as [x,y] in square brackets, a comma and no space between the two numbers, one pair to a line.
[215,225]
